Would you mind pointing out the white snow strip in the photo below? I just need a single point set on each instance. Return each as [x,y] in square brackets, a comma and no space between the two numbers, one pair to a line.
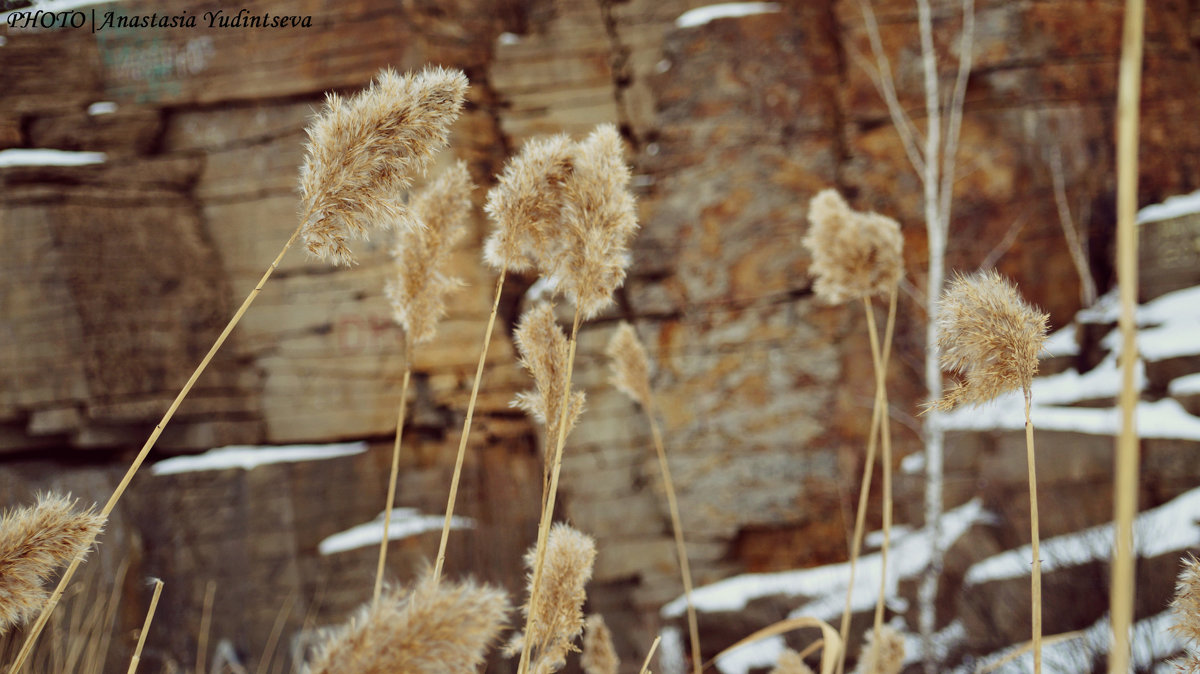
[47,157]
[913,464]
[1106,309]
[761,653]
[1171,526]
[1160,419]
[1185,385]
[102,108]
[249,457]
[1102,381]
[1173,207]
[509,39]
[944,640]
[670,651]
[542,289]
[1062,342]
[1151,642]
[909,555]
[406,523]
[702,15]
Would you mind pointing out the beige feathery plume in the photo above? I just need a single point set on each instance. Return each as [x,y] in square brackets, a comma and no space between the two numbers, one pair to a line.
[363,152]
[988,334]
[418,291]
[790,662]
[599,655]
[526,203]
[34,541]
[598,218]
[854,255]
[883,657]
[431,628]
[630,366]
[1186,607]
[570,555]
[543,348]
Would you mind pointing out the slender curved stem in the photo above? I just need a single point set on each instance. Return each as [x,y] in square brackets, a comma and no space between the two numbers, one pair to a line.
[391,495]
[885,432]
[1036,581]
[462,441]
[40,624]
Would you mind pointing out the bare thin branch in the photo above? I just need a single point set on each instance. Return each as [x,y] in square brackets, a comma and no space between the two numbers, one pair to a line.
[881,76]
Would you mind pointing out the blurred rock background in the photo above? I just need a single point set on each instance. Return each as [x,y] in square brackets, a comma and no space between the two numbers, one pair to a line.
[116,277]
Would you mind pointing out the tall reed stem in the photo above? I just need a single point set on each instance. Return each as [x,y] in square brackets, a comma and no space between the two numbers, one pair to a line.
[1036,581]
[680,548]
[210,592]
[391,495]
[551,494]
[877,413]
[1125,469]
[40,624]
[462,441]
[885,431]
[137,652]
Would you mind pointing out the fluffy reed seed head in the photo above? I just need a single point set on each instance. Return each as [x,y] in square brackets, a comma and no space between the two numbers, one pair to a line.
[599,655]
[1186,607]
[883,657]
[526,203]
[431,628]
[854,255]
[570,555]
[598,218]
[990,336]
[34,541]
[363,151]
[418,292]
[543,347]
[630,366]
[790,662]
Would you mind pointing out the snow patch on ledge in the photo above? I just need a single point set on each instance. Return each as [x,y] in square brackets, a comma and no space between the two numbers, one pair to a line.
[102,108]
[1185,385]
[47,157]
[702,15]
[406,523]
[1173,207]
[249,457]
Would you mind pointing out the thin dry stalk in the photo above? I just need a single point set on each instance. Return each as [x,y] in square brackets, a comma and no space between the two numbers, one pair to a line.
[210,594]
[831,643]
[391,495]
[649,654]
[430,628]
[1036,579]
[1125,470]
[599,655]
[631,375]
[137,652]
[34,541]
[880,361]
[330,182]
[276,630]
[554,613]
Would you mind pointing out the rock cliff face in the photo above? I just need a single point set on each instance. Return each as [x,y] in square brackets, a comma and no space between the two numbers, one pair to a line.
[117,276]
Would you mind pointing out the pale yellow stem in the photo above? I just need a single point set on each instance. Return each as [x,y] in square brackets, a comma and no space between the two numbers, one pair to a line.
[462,441]
[881,403]
[137,652]
[391,494]
[649,654]
[276,631]
[551,493]
[40,624]
[1036,582]
[680,548]
[1125,469]
[210,592]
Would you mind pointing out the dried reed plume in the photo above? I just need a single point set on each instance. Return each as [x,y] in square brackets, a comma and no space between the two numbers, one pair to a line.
[558,617]
[598,218]
[418,291]
[526,203]
[1186,607]
[363,152]
[599,655]
[988,334]
[790,662]
[543,348]
[427,629]
[630,366]
[34,541]
[882,653]
[854,255]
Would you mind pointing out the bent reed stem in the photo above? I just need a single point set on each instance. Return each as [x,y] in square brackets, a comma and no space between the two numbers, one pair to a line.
[680,548]
[1036,580]
[137,652]
[877,413]
[885,431]
[40,624]
[391,495]
[462,442]
[550,496]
